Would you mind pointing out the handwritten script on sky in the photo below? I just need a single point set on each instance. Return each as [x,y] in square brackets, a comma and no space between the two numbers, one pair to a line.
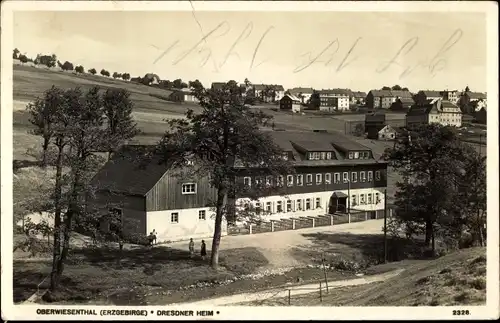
[334,55]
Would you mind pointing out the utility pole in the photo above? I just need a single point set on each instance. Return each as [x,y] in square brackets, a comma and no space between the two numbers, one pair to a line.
[385,226]
[349,197]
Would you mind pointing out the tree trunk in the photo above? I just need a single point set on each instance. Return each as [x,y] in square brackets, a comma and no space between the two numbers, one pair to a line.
[221,199]
[428,233]
[44,152]
[54,277]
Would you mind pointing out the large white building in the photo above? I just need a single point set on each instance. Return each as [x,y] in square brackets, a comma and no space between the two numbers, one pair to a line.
[332,175]
[434,111]
[334,99]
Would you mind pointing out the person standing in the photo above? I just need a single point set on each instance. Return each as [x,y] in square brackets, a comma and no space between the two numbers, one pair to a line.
[203,250]
[154,236]
[191,248]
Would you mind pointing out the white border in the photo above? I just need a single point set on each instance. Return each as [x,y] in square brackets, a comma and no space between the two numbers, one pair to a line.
[12,312]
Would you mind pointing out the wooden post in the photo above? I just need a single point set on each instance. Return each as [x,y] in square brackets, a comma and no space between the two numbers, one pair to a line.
[272,226]
[293,224]
[331,219]
[313,222]
[366,215]
[289,296]
[320,293]
[250,228]
[324,271]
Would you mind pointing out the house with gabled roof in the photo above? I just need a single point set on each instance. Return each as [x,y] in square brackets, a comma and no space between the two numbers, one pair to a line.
[303,93]
[334,99]
[290,102]
[383,99]
[269,92]
[434,111]
[423,95]
[332,175]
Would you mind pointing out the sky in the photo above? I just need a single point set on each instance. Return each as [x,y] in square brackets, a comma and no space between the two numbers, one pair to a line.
[356,50]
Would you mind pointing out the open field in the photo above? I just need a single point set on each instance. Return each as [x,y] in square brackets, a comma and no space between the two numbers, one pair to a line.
[455,279]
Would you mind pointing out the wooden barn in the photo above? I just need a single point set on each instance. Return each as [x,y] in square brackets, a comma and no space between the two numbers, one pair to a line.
[151,196]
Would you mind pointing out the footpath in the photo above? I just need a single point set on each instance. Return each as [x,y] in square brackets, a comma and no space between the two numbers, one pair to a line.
[294,290]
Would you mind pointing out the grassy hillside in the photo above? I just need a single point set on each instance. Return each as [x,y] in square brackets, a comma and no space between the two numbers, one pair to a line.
[455,279]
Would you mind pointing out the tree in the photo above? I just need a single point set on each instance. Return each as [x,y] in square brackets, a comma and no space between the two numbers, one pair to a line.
[396,88]
[177,83]
[104,73]
[184,85]
[196,85]
[470,200]
[79,126]
[80,69]
[397,105]
[126,76]
[67,66]
[428,158]
[23,58]
[92,71]
[405,89]
[224,136]
[41,115]
[386,88]
[116,75]
[118,115]
[15,54]
[315,101]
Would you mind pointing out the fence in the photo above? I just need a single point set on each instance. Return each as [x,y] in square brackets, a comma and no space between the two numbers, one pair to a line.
[307,222]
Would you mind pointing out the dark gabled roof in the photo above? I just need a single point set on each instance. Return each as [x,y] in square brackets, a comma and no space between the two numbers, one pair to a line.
[431,94]
[312,145]
[381,93]
[401,94]
[276,87]
[292,97]
[391,93]
[375,117]
[346,92]
[298,90]
[358,94]
[133,170]
[476,95]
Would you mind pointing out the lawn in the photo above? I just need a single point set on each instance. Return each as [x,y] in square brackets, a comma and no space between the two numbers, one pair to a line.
[99,274]
[455,279]
[157,276]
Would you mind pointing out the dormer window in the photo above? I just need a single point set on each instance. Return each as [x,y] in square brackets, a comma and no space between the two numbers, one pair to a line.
[285,156]
[328,155]
[356,155]
[351,155]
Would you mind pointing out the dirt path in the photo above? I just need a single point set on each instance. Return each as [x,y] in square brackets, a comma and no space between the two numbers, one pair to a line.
[276,246]
[243,299]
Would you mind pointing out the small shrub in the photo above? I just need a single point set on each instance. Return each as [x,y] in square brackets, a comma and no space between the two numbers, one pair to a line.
[461,297]
[423,280]
[479,260]
[434,302]
[445,271]
[481,271]
[478,283]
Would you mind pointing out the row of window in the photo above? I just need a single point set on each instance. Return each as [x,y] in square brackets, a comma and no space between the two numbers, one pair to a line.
[358,155]
[174,216]
[311,203]
[363,177]
[319,155]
